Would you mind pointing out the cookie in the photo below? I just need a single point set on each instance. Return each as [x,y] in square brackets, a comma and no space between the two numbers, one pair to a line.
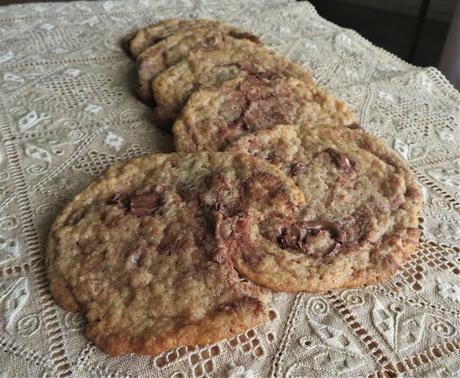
[360,220]
[173,49]
[142,250]
[139,40]
[214,117]
[172,87]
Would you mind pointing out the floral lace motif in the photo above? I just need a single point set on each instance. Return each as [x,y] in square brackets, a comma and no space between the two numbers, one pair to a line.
[67,111]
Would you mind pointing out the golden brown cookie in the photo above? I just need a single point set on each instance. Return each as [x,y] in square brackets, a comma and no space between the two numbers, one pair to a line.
[172,88]
[139,40]
[142,251]
[216,116]
[174,48]
[360,220]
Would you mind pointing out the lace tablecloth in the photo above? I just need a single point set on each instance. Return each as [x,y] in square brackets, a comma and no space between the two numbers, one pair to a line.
[67,110]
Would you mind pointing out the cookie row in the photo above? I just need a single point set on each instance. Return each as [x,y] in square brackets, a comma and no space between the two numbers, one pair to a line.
[301,198]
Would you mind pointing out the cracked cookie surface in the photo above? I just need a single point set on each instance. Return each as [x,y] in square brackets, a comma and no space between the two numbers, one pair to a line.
[216,116]
[144,251]
[360,220]
[172,88]
[173,49]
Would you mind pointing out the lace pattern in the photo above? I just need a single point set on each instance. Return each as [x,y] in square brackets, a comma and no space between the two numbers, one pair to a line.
[68,110]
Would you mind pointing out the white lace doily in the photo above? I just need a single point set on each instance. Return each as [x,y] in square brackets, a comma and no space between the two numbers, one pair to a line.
[67,110]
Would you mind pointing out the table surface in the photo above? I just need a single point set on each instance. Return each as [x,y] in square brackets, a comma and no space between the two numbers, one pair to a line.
[67,111]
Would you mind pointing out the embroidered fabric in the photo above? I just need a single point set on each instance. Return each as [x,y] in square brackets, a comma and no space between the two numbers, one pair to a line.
[68,110]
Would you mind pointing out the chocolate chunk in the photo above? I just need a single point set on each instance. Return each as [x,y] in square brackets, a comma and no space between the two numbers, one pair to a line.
[354,126]
[332,227]
[296,236]
[258,106]
[340,160]
[119,199]
[293,238]
[145,204]
[245,35]
[297,168]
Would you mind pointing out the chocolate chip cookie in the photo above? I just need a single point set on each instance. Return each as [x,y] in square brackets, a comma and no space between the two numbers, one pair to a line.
[145,251]
[139,40]
[172,87]
[173,49]
[216,116]
[360,219]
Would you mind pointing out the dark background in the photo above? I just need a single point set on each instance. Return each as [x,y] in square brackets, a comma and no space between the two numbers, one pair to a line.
[414,30]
